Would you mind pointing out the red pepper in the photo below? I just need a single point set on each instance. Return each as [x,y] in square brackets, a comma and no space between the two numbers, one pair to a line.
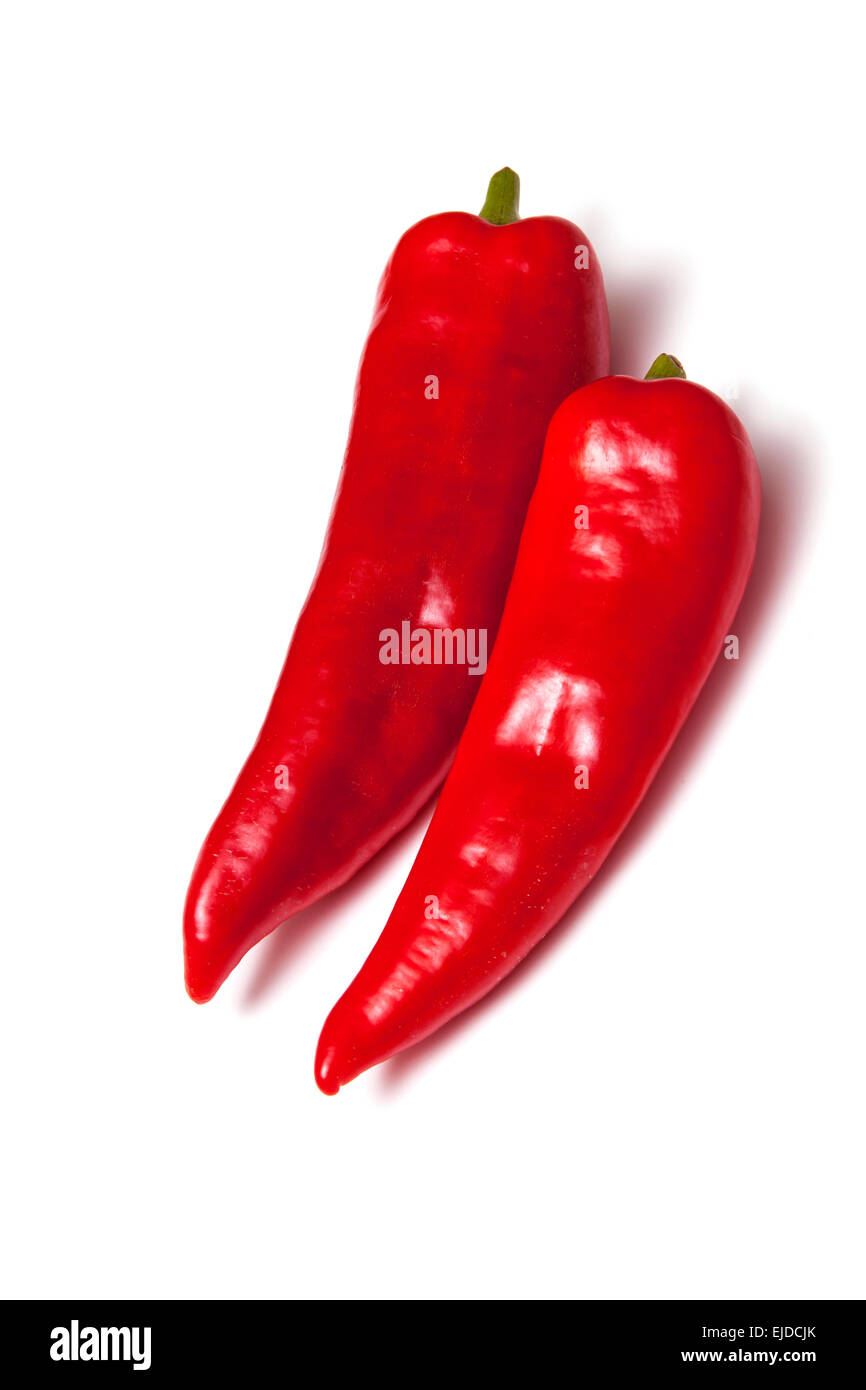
[615,617]
[482,326]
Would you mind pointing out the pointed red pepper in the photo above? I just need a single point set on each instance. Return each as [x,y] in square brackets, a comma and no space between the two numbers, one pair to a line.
[482,326]
[636,551]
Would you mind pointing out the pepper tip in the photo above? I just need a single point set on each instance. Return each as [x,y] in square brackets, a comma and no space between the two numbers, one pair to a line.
[200,978]
[198,996]
[326,1072]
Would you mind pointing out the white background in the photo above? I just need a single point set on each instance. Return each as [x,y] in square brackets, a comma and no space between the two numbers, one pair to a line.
[198,200]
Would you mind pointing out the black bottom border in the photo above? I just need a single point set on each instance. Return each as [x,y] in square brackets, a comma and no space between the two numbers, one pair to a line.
[398,1339]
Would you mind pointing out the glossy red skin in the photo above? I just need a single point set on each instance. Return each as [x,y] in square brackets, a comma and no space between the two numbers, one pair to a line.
[425,527]
[607,636]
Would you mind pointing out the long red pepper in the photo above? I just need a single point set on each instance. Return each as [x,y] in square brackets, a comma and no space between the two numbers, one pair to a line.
[482,326]
[637,547]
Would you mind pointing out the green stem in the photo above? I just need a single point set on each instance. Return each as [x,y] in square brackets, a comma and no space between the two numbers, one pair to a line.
[665,366]
[503,199]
